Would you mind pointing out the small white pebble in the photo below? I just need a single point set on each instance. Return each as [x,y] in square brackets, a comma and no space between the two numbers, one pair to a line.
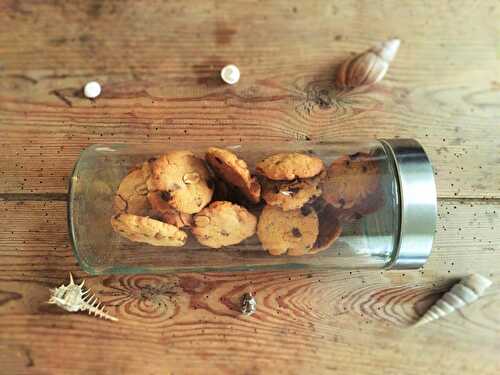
[92,90]
[230,74]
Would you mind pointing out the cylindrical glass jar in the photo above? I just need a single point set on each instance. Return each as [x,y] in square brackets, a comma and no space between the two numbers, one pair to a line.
[373,205]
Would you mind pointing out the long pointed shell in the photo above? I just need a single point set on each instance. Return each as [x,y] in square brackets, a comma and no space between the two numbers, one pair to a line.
[461,294]
[369,67]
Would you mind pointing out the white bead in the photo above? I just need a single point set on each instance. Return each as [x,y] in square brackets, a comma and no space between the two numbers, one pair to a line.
[92,90]
[230,74]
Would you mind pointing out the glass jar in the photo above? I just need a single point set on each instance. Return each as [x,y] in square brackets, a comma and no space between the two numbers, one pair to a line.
[373,206]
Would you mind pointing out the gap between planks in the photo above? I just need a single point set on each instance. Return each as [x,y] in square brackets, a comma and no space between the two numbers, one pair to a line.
[63,197]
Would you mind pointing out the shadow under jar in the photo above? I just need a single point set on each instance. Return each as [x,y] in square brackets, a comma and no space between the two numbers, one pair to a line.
[374,207]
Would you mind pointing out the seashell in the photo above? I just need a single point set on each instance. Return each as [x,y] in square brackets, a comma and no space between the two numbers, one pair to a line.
[248,304]
[461,294]
[369,67]
[73,298]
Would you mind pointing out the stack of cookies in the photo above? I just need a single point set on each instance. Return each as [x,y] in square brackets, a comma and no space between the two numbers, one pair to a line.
[159,201]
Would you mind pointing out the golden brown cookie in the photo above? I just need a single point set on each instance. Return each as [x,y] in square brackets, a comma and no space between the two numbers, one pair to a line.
[151,231]
[290,195]
[131,196]
[166,213]
[293,232]
[235,171]
[289,166]
[223,224]
[351,183]
[329,229]
[184,179]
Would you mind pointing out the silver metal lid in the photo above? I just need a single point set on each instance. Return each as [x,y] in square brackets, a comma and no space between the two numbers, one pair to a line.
[418,202]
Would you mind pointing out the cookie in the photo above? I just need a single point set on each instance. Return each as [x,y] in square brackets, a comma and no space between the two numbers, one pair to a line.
[290,195]
[235,171]
[329,229]
[352,184]
[151,231]
[289,166]
[166,213]
[184,180]
[131,196]
[223,224]
[293,232]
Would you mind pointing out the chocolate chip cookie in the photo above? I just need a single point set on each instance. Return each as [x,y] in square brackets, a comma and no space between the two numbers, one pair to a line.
[351,183]
[293,232]
[329,229]
[151,231]
[183,179]
[131,196]
[290,195]
[223,224]
[235,171]
[289,166]
[166,213]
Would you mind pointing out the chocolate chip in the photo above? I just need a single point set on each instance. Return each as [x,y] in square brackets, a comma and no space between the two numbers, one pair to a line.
[347,163]
[150,160]
[364,168]
[276,189]
[296,232]
[305,210]
[166,196]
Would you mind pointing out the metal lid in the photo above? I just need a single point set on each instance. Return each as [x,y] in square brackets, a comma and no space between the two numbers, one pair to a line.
[418,203]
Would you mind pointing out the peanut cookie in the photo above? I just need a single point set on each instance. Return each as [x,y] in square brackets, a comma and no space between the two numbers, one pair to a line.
[293,232]
[350,183]
[290,195]
[131,196]
[235,171]
[184,179]
[166,213]
[151,231]
[289,166]
[223,224]
[329,229]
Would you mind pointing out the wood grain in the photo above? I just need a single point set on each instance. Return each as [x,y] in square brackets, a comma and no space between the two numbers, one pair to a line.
[305,320]
[158,63]
[35,243]
[443,87]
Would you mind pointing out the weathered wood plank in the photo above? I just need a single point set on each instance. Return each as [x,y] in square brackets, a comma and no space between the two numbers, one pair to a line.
[442,88]
[305,320]
[35,243]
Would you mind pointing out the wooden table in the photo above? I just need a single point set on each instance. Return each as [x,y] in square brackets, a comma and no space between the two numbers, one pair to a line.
[158,62]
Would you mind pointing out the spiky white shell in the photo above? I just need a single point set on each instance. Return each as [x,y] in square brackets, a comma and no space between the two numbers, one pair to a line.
[73,298]
[461,294]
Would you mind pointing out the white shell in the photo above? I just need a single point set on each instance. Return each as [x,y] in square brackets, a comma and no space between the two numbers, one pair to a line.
[92,90]
[230,74]
[461,294]
[72,298]
[386,50]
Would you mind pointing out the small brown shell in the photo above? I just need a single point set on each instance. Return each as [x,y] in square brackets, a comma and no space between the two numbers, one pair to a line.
[369,67]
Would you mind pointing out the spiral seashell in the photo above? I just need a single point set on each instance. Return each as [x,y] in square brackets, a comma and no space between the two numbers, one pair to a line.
[461,294]
[369,67]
